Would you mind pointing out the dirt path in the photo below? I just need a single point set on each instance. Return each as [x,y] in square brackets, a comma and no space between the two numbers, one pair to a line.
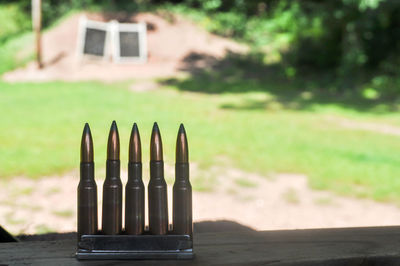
[283,201]
[382,128]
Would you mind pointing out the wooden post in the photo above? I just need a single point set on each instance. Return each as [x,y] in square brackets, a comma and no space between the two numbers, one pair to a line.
[36,23]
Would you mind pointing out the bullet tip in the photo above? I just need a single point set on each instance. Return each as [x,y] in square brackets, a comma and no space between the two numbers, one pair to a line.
[86,145]
[182,149]
[113,143]
[182,128]
[86,129]
[155,127]
[135,128]
[156,153]
[135,150]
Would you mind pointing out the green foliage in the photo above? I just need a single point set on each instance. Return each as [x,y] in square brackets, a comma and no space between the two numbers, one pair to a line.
[52,10]
[353,40]
[13,21]
[15,52]
[228,24]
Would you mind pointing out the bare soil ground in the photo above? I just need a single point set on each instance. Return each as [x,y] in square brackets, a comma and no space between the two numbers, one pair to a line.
[171,39]
[282,201]
[366,126]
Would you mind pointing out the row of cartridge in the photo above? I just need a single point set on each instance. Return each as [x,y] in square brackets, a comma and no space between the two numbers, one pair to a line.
[134,189]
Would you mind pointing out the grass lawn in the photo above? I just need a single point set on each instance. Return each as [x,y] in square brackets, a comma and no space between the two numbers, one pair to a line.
[41,126]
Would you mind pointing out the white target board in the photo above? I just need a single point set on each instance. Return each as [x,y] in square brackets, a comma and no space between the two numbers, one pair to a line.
[126,42]
[129,42]
[93,38]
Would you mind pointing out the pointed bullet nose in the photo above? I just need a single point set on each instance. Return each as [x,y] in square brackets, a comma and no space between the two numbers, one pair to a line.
[155,127]
[86,145]
[114,124]
[156,152]
[135,146]
[113,143]
[182,129]
[182,149]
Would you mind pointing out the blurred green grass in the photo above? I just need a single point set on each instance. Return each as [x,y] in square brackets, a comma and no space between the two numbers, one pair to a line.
[41,126]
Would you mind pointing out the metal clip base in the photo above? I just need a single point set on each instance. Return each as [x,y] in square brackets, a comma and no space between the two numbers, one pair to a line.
[132,247]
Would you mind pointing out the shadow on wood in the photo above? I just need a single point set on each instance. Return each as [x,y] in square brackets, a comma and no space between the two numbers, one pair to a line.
[229,243]
[200,227]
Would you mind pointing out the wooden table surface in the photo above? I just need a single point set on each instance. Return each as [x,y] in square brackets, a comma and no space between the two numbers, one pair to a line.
[347,246]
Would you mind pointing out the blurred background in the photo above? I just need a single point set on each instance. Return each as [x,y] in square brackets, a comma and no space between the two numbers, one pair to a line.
[291,108]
